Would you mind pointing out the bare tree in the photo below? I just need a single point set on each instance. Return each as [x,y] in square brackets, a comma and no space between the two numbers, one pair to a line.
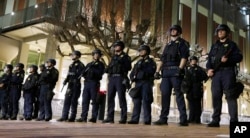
[99,23]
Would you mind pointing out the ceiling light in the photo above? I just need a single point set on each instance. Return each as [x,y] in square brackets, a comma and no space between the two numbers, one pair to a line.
[12,13]
[36,6]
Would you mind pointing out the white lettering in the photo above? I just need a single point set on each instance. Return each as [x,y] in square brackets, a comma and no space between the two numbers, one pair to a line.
[237,129]
[240,129]
[243,128]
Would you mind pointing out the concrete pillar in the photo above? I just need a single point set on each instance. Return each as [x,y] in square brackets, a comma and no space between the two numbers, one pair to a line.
[175,11]
[9,6]
[236,35]
[51,45]
[23,53]
[210,34]
[210,29]
[194,22]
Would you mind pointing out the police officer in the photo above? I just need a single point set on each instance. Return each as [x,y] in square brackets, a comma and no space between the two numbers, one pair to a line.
[143,76]
[47,83]
[15,90]
[4,91]
[195,75]
[117,70]
[173,61]
[36,95]
[29,91]
[92,75]
[73,91]
[222,60]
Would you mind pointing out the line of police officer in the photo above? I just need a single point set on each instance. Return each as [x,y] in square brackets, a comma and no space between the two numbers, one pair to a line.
[37,91]
[222,60]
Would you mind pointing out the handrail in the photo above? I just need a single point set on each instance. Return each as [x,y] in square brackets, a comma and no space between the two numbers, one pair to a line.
[35,13]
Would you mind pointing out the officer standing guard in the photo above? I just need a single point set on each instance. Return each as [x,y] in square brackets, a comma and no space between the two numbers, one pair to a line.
[15,90]
[4,91]
[47,83]
[74,88]
[36,96]
[117,70]
[29,92]
[221,64]
[173,61]
[195,76]
[92,75]
[143,76]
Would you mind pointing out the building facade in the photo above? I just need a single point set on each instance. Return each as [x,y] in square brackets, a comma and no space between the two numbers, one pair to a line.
[32,31]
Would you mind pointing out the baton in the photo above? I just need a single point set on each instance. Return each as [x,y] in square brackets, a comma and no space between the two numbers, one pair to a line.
[62,88]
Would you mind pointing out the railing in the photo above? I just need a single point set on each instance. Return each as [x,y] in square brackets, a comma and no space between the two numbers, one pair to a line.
[24,16]
[35,14]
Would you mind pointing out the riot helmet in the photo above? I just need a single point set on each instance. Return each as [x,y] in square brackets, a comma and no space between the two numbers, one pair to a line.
[9,66]
[42,66]
[77,53]
[97,51]
[145,47]
[193,58]
[119,43]
[34,67]
[176,27]
[20,65]
[222,27]
[52,61]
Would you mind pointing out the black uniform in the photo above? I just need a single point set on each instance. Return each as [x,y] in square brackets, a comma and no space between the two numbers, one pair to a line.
[47,82]
[172,77]
[224,77]
[15,93]
[4,94]
[73,91]
[195,76]
[143,75]
[92,75]
[117,71]
[29,93]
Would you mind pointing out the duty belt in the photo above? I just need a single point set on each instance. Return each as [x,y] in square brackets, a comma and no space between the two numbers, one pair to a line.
[226,68]
[171,67]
